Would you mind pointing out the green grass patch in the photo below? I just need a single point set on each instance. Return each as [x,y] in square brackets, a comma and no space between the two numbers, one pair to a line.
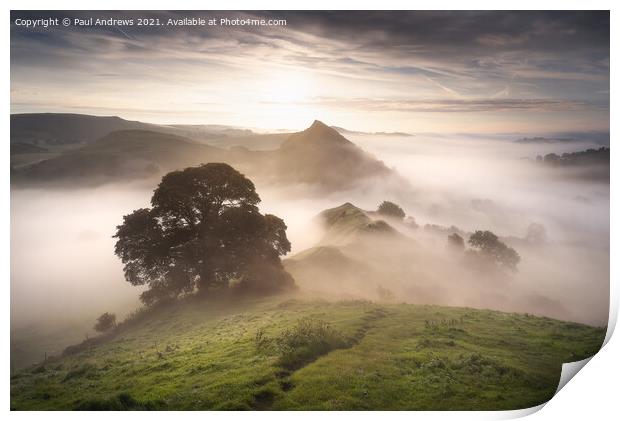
[306,341]
[277,353]
[120,402]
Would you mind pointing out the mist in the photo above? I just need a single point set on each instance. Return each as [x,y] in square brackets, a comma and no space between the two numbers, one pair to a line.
[494,183]
[64,272]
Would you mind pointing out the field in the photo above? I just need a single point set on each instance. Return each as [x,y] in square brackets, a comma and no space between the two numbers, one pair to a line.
[285,353]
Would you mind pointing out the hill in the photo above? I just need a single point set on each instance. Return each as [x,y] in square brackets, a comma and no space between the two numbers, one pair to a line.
[235,355]
[67,129]
[128,154]
[71,130]
[26,154]
[230,137]
[346,223]
[321,155]
[26,148]
[318,156]
[362,256]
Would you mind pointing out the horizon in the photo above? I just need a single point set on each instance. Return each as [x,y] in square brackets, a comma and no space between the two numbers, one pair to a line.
[486,72]
[336,126]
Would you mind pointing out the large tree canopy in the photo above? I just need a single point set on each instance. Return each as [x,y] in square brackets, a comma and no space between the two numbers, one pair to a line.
[203,232]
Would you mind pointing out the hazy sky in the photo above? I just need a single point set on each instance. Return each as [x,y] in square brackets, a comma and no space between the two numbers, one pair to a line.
[375,71]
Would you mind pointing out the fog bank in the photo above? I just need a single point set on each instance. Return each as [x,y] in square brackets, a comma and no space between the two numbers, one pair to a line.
[63,268]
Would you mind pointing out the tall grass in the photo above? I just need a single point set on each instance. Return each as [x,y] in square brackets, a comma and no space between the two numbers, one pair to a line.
[306,341]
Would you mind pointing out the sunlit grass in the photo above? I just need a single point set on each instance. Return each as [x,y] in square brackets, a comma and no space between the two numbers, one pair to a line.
[370,356]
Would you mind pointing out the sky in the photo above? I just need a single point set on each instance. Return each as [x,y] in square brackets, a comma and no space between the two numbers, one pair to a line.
[418,71]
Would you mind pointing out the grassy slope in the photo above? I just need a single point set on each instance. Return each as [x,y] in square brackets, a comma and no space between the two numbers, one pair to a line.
[397,356]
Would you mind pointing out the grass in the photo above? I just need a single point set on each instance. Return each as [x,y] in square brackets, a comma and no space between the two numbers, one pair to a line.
[306,341]
[280,353]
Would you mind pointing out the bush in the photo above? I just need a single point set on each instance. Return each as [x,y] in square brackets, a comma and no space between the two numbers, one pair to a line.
[105,322]
[306,341]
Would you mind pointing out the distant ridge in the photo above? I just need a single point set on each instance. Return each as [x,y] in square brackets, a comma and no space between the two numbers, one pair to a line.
[344,131]
[19,148]
[318,156]
[120,155]
[65,129]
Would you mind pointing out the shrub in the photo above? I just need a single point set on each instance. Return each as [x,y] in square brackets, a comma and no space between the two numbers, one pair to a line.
[306,341]
[105,322]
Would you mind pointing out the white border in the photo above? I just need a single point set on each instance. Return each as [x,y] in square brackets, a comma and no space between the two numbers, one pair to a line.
[592,395]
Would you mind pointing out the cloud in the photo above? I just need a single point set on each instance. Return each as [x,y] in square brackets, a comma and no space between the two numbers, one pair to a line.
[456,105]
[501,40]
[518,57]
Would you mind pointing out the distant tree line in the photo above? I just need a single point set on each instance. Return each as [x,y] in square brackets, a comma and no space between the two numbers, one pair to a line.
[587,157]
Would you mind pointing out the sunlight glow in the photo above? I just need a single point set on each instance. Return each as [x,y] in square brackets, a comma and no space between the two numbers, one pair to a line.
[288,87]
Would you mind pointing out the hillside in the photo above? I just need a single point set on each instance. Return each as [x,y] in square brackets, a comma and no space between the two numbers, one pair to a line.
[66,129]
[26,148]
[73,130]
[321,155]
[26,154]
[347,223]
[129,154]
[219,355]
[362,256]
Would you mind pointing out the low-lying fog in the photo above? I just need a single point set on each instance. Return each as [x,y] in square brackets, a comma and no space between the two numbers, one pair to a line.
[63,267]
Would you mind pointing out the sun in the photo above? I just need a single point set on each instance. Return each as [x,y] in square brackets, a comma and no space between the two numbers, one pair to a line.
[288,87]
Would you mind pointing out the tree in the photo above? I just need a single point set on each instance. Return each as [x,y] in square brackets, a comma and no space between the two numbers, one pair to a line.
[489,246]
[391,210]
[105,322]
[411,222]
[456,242]
[536,234]
[203,233]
